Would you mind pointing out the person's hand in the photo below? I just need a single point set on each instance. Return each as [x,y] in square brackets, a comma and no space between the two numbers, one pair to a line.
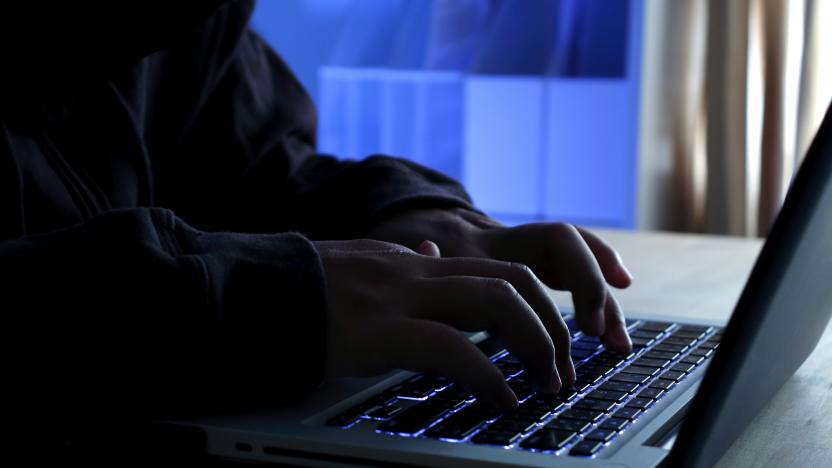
[563,256]
[392,308]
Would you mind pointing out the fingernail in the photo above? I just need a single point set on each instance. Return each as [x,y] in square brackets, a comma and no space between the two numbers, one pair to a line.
[624,271]
[429,248]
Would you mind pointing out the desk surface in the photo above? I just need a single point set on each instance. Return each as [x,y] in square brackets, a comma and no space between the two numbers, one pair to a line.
[702,277]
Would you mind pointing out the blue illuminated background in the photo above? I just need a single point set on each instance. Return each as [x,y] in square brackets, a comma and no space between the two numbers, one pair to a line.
[532,105]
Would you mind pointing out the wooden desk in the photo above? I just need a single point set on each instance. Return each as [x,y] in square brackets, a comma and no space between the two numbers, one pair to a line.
[702,276]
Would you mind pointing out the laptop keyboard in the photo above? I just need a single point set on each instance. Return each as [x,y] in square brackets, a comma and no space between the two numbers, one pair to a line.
[611,391]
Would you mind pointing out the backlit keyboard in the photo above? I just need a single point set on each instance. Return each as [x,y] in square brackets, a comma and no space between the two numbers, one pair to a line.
[611,391]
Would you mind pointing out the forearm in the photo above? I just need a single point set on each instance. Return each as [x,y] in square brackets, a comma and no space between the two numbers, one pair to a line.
[136,314]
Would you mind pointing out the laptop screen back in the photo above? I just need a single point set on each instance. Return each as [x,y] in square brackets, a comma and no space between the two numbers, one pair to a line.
[779,318]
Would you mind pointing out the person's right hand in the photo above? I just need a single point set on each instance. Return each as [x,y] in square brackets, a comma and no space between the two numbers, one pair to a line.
[392,308]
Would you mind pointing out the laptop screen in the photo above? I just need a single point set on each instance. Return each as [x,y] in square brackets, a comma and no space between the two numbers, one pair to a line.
[779,318]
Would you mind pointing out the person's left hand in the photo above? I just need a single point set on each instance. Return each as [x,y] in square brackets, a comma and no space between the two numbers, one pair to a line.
[563,256]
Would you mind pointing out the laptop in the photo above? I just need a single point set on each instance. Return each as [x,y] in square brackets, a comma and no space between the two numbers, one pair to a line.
[680,398]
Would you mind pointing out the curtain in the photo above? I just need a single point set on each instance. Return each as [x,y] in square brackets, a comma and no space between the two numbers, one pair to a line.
[747,84]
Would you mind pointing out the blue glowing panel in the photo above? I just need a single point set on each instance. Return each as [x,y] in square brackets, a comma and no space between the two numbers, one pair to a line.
[502,139]
[423,118]
[591,152]
[413,114]
[336,101]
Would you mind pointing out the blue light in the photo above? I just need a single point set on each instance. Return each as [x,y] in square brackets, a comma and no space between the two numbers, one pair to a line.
[535,111]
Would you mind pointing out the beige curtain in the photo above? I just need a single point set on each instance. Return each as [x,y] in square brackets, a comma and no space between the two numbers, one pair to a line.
[750,85]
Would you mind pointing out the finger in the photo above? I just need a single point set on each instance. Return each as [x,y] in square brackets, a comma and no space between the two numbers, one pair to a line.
[474,304]
[608,259]
[361,245]
[563,260]
[531,290]
[426,346]
[428,248]
[574,267]
[615,337]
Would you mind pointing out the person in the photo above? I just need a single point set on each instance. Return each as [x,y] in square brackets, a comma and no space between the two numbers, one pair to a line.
[172,244]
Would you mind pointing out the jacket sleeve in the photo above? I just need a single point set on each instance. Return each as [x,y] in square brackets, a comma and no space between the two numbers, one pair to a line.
[237,152]
[135,313]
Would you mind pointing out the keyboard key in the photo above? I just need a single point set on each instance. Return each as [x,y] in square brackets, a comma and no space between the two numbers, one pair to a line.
[682,367]
[655,326]
[350,416]
[457,426]
[577,387]
[640,403]
[695,328]
[679,340]
[694,335]
[611,386]
[614,424]
[601,435]
[663,384]
[568,394]
[585,343]
[588,378]
[701,352]
[709,345]
[453,395]
[607,354]
[551,403]
[607,360]
[510,426]
[627,413]
[695,360]
[586,448]
[485,411]
[548,440]
[415,418]
[609,395]
[531,415]
[647,362]
[344,419]
[668,355]
[642,333]
[595,368]
[630,378]
[673,375]
[642,342]
[383,413]
[594,405]
[527,413]
[572,425]
[670,348]
[420,386]
[633,369]
[489,436]
[651,393]
[581,415]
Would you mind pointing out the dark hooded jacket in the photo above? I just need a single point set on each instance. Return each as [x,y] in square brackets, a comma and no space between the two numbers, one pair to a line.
[159,187]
